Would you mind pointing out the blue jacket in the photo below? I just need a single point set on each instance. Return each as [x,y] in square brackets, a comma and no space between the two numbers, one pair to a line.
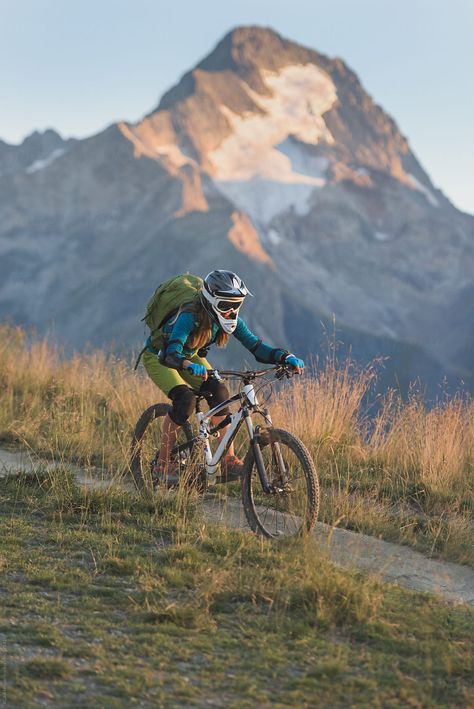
[177,333]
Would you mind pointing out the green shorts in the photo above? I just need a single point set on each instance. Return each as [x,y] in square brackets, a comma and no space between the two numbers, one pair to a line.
[166,378]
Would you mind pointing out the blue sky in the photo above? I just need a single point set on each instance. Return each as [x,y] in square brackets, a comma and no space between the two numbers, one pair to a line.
[79,66]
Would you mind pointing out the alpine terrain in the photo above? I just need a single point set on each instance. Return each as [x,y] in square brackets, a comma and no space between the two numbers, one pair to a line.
[268,159]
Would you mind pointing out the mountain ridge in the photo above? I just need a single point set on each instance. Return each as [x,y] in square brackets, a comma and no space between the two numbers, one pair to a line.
[268,158]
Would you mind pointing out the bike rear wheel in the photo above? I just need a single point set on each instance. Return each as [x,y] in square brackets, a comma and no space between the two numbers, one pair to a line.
[291,508]
[146,444]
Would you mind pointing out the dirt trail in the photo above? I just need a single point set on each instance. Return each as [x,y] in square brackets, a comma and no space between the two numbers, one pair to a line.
[392,562]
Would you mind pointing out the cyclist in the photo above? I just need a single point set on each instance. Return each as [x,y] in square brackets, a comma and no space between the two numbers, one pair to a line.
[179,369]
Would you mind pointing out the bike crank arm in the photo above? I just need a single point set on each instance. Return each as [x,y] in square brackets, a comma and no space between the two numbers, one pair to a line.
[186,446]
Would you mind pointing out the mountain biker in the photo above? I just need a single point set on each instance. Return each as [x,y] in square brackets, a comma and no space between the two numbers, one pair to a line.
[179,369]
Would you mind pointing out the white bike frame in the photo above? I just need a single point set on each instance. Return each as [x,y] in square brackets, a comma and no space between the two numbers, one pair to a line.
[248,399]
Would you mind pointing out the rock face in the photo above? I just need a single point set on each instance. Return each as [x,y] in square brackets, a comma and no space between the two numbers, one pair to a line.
[269,159]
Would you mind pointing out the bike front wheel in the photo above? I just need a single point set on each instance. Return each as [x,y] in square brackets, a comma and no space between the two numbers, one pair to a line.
[291,507]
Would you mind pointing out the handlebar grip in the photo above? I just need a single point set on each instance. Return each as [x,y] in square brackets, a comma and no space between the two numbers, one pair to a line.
[214,374]
[284,371]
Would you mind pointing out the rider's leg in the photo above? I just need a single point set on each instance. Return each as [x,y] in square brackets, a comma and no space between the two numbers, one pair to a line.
[169,435]
[173,386]
[183,399]
[215,392]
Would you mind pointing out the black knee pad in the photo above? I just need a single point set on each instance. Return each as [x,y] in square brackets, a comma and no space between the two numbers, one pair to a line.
[184,400]
[215,393]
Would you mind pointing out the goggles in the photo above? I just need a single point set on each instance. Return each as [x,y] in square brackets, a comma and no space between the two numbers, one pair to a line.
[226,306]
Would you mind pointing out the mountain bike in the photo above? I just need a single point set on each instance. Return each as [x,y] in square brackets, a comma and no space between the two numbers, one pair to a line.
[279,482]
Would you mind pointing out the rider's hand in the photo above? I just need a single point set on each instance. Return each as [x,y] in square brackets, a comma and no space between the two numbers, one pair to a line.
[198,370]
[296,364]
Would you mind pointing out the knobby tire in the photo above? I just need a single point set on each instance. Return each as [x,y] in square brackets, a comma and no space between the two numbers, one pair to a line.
[251,486]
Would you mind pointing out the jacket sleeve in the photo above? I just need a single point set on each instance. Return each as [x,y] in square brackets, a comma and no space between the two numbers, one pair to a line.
[261,351]
[176,340]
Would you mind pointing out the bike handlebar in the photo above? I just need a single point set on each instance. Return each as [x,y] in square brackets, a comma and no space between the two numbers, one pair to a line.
[280,370]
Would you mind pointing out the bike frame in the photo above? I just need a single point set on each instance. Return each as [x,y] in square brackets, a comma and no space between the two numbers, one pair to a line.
[249,401]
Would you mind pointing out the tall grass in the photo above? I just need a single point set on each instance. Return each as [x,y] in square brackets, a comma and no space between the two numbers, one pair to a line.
[432,448]
[82,407]
[410,468]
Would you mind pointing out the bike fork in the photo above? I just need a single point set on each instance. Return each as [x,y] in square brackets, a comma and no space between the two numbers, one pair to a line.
[257,454]
[280,463]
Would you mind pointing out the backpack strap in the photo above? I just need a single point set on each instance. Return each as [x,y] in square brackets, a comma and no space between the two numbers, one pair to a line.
[172,316]
[146,347]
[139,358]
[169,316]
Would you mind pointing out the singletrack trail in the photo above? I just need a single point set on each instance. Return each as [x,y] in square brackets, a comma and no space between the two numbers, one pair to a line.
[391,562]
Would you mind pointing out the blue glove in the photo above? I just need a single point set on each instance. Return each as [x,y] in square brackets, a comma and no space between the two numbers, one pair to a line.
[294,362]
[198,370]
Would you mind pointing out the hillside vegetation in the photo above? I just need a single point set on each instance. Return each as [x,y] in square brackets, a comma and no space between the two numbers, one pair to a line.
[405,474]
[114,599]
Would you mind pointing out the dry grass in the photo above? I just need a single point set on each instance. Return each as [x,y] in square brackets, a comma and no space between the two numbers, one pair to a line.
[406,474]
[434,448]
[82,408]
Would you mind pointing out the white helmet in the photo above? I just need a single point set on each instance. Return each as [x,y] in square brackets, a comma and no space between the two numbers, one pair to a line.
[222,294]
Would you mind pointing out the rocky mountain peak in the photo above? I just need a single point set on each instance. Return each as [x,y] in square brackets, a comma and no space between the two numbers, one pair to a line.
[278,164]
[244,51]
[285,92]
[35,150]
[45,140]
[249,47]
[269,121]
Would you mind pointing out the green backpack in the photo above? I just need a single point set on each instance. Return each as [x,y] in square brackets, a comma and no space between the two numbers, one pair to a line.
[166,301]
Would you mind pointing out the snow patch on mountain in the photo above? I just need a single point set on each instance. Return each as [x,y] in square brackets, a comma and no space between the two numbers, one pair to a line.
[38,165]
[300,97]
[264,165]
[416,184]
[264,199]
[175,155]
[274,237]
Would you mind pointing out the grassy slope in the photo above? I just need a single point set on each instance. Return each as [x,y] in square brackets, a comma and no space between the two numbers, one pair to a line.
[408,477]
[110,600]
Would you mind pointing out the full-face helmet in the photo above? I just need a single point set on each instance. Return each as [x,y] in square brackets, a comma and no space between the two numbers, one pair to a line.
[222,295]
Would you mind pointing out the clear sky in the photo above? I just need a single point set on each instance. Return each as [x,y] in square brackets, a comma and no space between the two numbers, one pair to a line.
[79,65]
